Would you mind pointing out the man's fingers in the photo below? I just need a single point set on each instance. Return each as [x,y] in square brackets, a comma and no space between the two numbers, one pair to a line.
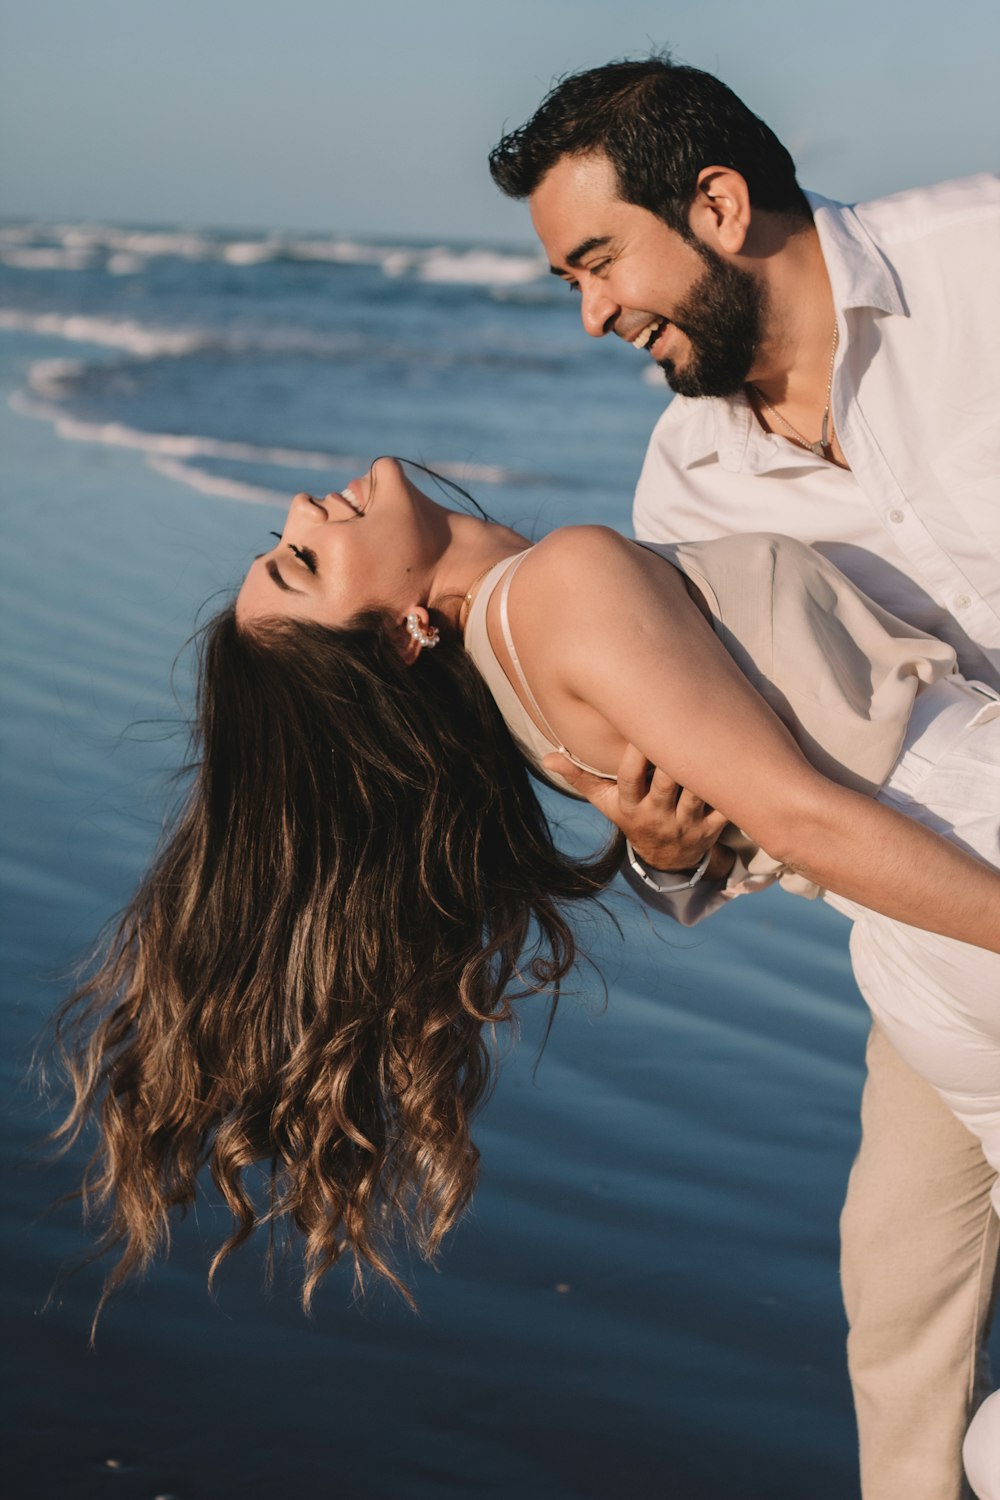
[663,813]
[636,777]
[594,788]
[692,810]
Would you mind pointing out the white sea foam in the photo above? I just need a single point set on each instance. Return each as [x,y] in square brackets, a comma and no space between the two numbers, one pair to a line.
[397,262]
[480,268]
[122,263]
[70,246]
[338,252]
[178,449]
[18,234]
[217,484]
[150,341]
[180,446]
[49,378]
[186,245]
[47,259]
[117,333]
[251,252]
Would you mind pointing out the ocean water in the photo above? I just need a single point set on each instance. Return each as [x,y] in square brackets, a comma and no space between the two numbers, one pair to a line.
[643,1301]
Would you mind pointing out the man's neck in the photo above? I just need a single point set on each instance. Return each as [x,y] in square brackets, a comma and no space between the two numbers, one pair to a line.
[791,379]
[792,366]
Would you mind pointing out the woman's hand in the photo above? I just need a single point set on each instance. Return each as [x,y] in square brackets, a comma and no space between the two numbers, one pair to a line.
[670,828]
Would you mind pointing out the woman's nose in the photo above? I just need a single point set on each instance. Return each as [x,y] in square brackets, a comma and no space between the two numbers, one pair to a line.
[306,508]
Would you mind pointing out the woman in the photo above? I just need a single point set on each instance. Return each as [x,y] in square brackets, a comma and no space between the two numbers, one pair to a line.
[361,880]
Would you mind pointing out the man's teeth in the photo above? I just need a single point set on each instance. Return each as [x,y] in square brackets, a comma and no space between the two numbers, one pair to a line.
[649,334]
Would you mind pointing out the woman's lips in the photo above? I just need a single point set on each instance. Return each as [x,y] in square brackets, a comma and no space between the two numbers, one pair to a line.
[348,497]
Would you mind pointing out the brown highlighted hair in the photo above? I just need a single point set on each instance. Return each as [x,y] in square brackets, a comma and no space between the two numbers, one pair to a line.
[311,976]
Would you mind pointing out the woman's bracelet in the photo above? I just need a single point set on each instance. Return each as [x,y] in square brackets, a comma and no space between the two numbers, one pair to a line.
[638,868]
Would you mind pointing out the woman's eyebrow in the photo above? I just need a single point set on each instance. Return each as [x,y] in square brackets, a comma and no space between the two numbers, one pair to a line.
[272,572]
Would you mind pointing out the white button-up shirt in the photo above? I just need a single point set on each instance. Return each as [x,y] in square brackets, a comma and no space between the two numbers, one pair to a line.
[915,522]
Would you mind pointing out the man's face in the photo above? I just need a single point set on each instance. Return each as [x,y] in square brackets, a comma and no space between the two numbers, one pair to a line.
[699,316]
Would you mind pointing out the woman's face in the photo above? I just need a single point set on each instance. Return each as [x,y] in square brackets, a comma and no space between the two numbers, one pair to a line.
[371,546]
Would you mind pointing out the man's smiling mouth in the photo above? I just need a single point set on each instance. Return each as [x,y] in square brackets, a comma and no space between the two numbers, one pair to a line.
[648,336]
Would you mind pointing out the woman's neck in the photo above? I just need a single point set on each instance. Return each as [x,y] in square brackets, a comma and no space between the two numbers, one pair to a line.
[474,548]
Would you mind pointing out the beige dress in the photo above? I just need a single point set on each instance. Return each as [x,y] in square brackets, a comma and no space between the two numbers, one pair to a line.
[840,672]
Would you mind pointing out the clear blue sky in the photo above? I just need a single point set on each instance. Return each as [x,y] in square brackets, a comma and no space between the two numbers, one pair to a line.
[376,117]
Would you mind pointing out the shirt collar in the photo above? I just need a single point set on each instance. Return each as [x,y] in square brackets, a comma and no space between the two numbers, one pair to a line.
[724,426]
[727,429]
[859,274]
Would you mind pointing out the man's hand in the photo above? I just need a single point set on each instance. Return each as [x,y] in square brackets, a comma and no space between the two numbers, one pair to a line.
[669,828]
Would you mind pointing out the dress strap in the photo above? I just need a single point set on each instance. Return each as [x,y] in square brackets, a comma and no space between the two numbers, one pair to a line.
[540,719]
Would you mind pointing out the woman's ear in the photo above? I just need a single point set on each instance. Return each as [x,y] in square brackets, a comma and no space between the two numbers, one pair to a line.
[720,214]
[416,634]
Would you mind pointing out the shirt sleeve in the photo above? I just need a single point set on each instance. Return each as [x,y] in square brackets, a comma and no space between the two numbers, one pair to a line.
[688,908]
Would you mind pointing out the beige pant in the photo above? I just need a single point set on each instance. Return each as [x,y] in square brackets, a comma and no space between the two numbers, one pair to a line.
[920,1243]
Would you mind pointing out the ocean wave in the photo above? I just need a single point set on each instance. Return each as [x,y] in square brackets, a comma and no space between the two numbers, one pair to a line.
[47,258]
[184,244]
[251,252]
[143,339]
[124,263]
[20,234]
[54,378]
[180,446]
[480,268]
[216,484]
[153,341]
[340,252]
[175,451]
[148,342]
[74,246]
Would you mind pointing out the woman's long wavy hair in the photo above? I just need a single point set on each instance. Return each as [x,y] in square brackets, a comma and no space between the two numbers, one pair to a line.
[358,885]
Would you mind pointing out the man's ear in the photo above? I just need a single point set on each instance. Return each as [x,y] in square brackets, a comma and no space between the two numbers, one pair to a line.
[415,633]
[720,214]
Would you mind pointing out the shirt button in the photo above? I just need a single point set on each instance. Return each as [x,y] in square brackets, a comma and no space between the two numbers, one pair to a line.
[896,516]
[963,601]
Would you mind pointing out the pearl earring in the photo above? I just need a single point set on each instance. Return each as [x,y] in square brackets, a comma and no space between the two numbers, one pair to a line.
[427,638]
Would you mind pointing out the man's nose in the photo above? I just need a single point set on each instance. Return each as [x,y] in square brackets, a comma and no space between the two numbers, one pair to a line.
[598,311]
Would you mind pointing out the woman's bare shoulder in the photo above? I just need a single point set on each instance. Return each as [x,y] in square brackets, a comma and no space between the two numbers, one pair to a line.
[588,564]
[583,543]
[579,556]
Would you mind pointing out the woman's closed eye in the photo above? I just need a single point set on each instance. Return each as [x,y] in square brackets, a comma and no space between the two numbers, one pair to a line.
[305,555]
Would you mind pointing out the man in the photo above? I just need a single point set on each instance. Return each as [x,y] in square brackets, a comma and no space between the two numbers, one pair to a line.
[837,374]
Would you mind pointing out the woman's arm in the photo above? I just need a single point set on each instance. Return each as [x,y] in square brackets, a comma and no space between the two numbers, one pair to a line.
[616,651]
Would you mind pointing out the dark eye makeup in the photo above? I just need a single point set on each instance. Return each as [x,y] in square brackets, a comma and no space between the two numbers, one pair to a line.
[305,555]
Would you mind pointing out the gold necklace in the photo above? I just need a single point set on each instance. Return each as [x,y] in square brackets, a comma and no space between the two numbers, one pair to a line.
[822,443]
[466,604]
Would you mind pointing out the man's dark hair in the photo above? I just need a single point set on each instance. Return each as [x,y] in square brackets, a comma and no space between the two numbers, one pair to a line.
[659,123]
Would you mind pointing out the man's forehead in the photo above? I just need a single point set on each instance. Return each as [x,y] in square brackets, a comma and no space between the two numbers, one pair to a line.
[576,201]
[579,180]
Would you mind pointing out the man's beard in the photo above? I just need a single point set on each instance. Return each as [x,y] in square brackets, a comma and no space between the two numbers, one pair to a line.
[723,317]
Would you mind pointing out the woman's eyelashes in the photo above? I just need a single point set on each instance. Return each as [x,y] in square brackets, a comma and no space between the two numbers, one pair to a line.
[305,555]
